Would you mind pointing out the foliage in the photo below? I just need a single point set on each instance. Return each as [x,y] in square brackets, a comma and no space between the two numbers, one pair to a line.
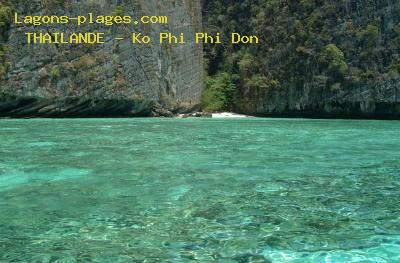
[369,36]
[55,73]
[5,12]
[119,10]
[219,92]
[258,83]
[395,68]
[333,57]
[51,5]
[84,62]
[303,42]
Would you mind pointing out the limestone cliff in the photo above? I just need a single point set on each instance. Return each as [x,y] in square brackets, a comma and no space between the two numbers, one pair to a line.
[117,78]
[375,99]
[338,59]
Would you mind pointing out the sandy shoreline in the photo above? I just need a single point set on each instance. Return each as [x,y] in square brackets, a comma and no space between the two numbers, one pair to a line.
[229,115]
[219,115]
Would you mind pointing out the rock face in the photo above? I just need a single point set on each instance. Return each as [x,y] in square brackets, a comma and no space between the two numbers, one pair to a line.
[114,79]
[337,59]
[378,99]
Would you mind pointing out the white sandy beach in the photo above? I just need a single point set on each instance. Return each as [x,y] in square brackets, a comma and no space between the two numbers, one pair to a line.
[229,115]
[220,115]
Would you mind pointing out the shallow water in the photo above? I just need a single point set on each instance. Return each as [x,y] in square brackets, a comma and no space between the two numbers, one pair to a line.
[173,190]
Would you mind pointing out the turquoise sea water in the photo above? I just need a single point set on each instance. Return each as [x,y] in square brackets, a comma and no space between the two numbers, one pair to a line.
[205,190]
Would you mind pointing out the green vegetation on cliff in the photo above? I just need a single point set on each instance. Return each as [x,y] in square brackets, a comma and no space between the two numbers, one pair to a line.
[5,13]
[324,45]
[219,92]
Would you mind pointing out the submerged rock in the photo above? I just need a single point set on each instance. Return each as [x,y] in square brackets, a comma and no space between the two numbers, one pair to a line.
[250,258]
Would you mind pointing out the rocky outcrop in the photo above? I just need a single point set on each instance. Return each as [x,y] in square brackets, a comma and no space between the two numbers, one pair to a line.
[197,115]
[114,79]
[329,59]
[378,99]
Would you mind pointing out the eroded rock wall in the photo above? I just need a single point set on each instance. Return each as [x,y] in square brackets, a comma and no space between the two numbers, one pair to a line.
[117,78]
[377,99]
[338,59]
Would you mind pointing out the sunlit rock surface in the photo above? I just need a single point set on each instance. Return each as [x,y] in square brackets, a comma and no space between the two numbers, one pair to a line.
[117,78]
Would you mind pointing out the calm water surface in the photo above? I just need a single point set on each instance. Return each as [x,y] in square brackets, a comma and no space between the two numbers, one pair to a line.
[170,190]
